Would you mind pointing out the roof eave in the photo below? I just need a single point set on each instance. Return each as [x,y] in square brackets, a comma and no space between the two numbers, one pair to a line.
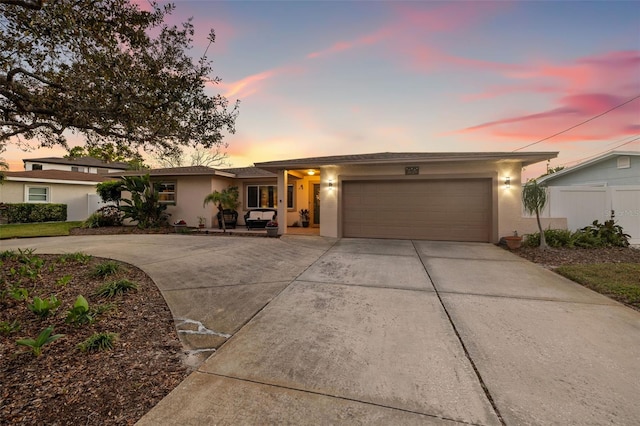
[525,158]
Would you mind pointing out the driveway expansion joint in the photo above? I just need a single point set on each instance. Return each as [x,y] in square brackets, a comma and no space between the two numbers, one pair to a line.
[310,392]
[487,393]
[371,286]
[531,298]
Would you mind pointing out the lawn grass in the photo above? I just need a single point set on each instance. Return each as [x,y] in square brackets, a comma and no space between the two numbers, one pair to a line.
[48,229]
[619,281]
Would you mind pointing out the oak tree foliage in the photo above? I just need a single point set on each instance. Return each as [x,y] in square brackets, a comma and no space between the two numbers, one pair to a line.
[108,71]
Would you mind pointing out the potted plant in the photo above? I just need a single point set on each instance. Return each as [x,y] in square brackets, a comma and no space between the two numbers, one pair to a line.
[304,218]
[179,225]
[513,241]
[202,221]
[272,228]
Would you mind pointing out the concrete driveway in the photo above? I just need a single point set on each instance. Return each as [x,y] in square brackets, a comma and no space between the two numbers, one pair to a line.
[317,331]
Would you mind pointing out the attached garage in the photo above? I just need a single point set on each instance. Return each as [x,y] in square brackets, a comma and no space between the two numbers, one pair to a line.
[446,196]
[430,209]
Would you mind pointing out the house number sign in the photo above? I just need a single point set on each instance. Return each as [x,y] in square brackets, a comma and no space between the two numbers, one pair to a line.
[413,170]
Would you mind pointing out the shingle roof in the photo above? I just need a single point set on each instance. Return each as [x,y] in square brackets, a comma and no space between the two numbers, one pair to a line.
[404,157]
[587,163]
[82,161]
[249,172]
[175,171]
[57,175]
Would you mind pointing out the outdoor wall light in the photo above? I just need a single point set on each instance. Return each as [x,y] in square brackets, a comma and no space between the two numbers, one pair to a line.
[507,182]
[330,184]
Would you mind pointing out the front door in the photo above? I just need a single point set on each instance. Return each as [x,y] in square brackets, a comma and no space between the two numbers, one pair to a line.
[315,220]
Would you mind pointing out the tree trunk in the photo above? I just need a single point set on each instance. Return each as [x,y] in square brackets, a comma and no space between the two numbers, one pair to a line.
[224,225]
[543,240]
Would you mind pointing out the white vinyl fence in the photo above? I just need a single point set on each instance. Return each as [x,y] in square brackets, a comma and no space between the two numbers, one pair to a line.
[581,205]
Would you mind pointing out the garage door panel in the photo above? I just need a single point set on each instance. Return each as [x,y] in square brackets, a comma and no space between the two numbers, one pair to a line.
[454,210]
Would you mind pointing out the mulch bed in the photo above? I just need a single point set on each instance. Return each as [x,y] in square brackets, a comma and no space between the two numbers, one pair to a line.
[117,230]
[554,257]
[67,386]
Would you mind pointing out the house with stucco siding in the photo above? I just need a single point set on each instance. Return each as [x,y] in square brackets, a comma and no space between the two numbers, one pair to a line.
[436,196]
[75,189]
[461,196]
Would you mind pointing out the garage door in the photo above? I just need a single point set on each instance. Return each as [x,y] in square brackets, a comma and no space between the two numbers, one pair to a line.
[445,210]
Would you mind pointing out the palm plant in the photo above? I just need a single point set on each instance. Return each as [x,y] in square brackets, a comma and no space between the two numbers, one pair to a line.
[534,198]
[144,205]
[225,199]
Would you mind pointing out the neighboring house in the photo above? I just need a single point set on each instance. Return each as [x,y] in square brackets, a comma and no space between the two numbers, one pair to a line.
[75,189]
[82,164]
[606,187]
[434,196]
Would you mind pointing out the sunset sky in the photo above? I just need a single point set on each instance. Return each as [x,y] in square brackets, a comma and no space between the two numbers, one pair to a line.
[328,77]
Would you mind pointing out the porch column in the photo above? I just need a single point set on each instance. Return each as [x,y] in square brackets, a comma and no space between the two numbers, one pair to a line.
[282,201]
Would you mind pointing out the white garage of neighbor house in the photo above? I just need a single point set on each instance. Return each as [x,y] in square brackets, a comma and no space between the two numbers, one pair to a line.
[606,187]
[75,189]
[435,196]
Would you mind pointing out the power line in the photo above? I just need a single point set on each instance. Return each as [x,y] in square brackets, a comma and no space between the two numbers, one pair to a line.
[579,124]
[636,138]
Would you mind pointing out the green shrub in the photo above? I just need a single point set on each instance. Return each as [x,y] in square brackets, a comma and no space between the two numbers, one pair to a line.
[18,293]
[77,257]
[98,342]
[8,255]
[144,206]
[63,281]
[33,212]
[554,238]
[110,191]
[44,338]
[114,288]
[105,268]
[43,307]
[105,216]
[7,327]
[606,234]
[80,313]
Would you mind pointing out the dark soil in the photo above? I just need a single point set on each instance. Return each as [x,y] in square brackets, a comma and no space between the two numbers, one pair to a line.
[65,385]
[554,257]
[116,230]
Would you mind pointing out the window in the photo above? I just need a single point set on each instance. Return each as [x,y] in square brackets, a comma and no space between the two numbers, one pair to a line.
[77,169]
[37,194]
[36,166]
[290,193]
[262,196]
[167,192]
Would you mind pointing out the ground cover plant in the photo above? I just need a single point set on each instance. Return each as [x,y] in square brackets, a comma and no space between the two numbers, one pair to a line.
[91,359]
[612,271]
[48,229]
[620,281]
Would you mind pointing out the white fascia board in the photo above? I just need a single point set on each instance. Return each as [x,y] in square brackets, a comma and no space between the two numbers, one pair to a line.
[34,180]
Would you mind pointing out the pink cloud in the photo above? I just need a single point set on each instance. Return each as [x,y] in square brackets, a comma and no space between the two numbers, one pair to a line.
[251,84]
[409,22]
[571,111]
[341,46]
[580,89]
